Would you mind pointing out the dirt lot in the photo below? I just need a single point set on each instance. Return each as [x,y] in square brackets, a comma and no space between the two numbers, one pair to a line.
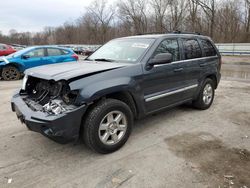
[182,147]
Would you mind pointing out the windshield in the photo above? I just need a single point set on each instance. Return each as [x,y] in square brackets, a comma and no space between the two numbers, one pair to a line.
[20,52]
[123,50]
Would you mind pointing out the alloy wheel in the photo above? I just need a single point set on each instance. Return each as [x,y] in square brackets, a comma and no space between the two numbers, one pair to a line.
[10,73]
[207,94]
[112,127]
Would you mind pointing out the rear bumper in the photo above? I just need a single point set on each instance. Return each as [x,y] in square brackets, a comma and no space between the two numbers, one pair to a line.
[61,128]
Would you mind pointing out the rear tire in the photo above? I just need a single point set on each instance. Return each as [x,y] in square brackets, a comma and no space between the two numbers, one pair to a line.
[206,95]
[10,73]
[107,126]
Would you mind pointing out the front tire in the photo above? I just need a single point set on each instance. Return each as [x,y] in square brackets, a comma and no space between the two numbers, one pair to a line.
[206,95]
[107,126]
[10,73]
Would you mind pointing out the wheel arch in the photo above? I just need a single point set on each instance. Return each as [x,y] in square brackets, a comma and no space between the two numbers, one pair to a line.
[12,64]
[124,96]
[213,77]
[127,98]
[16,65]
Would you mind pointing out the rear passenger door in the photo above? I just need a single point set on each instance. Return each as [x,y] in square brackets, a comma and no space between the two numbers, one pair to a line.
[191,58]
[210,61]
[35,57]
[55,55]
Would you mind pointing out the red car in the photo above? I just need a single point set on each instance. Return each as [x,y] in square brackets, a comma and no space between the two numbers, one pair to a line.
[6,50]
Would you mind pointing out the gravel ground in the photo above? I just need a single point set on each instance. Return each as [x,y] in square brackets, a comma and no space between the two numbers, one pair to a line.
[181,147]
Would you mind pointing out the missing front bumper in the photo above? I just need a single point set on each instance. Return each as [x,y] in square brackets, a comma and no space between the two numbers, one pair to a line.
[61,128]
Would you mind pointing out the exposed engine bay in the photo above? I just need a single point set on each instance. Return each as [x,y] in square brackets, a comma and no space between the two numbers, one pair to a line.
[48,96]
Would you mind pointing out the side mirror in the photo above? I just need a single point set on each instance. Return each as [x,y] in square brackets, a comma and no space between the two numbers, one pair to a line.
[25,56]
[162,58]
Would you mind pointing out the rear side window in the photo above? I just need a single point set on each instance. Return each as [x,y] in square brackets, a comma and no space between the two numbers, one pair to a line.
[64,52]
[208,48]
[192,49]
[169,46]
[54,52]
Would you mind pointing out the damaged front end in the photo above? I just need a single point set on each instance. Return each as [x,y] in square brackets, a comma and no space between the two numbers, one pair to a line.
[49,107]
[48,96]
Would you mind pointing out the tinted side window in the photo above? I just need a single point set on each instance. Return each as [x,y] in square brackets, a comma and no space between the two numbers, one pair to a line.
[169,46]
[54,52]
[36,53]
[192,49]
[208,48]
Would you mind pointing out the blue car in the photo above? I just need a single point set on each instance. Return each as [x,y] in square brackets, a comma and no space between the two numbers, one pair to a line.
[12,66]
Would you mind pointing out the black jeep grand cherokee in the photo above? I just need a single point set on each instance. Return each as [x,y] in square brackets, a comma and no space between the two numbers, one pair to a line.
[126,79]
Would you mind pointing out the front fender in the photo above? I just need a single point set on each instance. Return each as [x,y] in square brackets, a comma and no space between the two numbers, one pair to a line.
[3,62]
[94,91]
[12,62]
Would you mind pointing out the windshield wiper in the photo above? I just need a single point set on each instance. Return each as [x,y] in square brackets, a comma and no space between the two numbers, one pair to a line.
[104,59]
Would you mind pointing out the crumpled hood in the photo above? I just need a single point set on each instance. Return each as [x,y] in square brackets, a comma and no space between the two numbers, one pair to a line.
[66,71]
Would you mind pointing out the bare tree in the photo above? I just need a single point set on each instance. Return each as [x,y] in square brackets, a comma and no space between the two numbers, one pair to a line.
[49,35]
[228,22]
[225,21]
[160,8]
[101,16]
[134,12]
[247,20]
[177,13]
[208,7]
[192,18]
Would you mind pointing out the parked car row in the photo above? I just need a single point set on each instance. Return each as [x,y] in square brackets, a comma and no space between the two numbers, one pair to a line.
[18,47]
[83,51]
[13,66]
[6,49]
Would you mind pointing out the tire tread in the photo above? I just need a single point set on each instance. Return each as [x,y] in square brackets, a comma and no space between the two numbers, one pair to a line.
[89,122]
[198,103]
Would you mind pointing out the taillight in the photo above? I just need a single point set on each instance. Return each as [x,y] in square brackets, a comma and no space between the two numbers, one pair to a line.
[75,56]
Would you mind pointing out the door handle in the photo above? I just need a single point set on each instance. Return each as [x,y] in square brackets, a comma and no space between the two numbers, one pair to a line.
[178,70]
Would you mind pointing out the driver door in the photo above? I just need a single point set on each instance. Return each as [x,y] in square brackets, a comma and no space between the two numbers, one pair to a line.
[34,58]
[163,83]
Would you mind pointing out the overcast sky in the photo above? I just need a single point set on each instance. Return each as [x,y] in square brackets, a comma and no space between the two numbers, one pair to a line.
[34,15]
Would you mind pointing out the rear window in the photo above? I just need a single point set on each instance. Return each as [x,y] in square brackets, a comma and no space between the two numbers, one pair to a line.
[64,52]
[54,52]
[192,49]
[208,48]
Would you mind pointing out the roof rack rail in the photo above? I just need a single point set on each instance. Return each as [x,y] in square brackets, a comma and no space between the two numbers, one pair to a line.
[150,33]
[181,32]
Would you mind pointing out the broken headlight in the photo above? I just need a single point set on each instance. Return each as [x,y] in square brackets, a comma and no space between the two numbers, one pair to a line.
[52,97]
[61,103]
[57,106]
[69,97]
